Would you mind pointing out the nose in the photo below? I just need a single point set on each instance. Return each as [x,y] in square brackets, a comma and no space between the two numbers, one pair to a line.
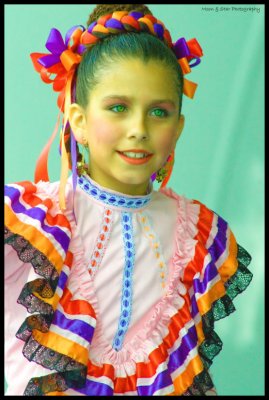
[137,128]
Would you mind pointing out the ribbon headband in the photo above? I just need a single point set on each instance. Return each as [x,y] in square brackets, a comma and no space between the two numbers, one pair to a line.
[66,54]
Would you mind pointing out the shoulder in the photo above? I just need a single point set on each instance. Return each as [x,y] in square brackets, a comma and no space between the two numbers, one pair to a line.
[191,212]
[27,194]
[202,235]
[169,193]
[28,191]
[207,251]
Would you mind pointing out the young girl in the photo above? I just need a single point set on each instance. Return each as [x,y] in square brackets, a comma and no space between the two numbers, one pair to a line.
[113,287]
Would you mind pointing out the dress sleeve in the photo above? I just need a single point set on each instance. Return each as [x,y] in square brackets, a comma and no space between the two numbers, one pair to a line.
[37,237]
[34,227]
[214,276]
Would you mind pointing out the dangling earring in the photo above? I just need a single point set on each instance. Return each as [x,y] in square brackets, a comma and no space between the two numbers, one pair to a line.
[82,167]
[164,173]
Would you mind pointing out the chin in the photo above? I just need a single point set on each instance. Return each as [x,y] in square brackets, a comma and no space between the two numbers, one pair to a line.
[134,180]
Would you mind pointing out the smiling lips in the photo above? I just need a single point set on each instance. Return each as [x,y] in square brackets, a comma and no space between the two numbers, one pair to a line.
[135,157]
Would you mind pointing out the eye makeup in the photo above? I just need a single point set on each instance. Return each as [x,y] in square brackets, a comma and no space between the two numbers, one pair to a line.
[109,100]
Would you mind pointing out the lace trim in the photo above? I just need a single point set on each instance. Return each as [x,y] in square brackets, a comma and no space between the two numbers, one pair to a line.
[69,372]
[28,254]
[101,242]
[127,281]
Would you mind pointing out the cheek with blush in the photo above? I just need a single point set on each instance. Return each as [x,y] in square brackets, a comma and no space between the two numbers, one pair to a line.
[102,133]
[166,142]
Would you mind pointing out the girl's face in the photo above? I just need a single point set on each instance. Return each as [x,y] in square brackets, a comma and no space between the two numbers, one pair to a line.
[134,108]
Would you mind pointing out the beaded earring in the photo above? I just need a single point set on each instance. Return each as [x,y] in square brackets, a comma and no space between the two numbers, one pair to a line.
[82,166]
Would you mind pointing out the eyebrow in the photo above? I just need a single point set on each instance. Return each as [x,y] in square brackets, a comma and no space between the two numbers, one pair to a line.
[126,98]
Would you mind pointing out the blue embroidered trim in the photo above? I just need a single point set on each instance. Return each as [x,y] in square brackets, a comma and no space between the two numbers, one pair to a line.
[127,287]
[112,199]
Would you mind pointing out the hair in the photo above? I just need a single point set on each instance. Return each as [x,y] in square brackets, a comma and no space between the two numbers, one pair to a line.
[142,45]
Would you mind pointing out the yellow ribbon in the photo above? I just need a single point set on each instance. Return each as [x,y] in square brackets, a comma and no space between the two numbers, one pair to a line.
[189,88]
[69,58]
[64,157]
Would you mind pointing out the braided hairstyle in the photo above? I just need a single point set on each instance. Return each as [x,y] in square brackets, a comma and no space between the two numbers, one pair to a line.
[103,9]
[98,57]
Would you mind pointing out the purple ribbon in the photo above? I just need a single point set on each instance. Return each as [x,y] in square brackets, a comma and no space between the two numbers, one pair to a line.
[56,45]
[70,32]
[136,14]
[114,23]
[182,50]
[159,30]
[91,26]
[153,176]
[73,153]
[74,168]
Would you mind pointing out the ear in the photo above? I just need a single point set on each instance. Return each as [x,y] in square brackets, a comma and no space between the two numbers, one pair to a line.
[181,122]
[77,120]
[180,126]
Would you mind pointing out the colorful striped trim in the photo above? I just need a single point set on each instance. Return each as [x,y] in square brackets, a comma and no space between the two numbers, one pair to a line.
[29,216]
[38,213]
[42,240]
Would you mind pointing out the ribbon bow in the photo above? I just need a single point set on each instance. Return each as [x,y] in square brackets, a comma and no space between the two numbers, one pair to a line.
[64,56]
[185,52]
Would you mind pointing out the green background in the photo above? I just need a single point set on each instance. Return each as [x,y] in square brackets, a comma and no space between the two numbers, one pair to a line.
[219,157]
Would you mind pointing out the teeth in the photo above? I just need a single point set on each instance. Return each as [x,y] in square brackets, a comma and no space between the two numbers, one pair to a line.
[134,155]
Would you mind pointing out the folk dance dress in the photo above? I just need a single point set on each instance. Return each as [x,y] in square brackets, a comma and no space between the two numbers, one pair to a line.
[116,295]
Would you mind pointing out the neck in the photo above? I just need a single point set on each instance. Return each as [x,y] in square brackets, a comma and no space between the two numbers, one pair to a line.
[121,187]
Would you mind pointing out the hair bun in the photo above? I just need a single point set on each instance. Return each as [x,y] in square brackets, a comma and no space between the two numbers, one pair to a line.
[103,9]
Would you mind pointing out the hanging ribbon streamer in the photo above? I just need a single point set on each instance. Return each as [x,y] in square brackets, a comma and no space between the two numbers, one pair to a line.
[64,158]
[41,170]
[60,62]
[74,167]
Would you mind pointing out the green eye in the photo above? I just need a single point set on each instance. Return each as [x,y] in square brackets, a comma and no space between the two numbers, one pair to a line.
[119,107]
[160,112]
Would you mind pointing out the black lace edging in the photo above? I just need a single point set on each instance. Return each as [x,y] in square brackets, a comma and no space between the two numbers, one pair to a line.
[29,254]
[221,308]
[69,373]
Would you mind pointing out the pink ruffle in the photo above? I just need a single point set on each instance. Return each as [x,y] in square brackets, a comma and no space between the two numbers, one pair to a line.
[148,338]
